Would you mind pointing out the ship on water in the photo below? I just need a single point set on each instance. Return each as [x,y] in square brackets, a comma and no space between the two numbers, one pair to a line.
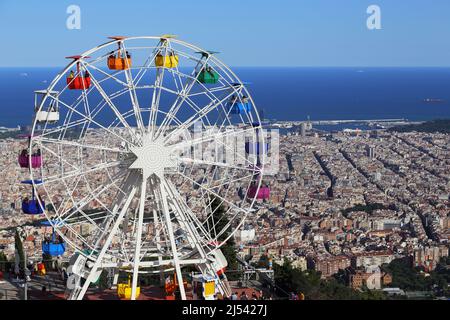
[433,100]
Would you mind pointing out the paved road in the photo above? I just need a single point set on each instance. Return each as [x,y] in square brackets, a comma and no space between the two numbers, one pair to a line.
[8,291]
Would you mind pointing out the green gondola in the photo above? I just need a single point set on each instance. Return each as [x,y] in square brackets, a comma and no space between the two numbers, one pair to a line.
[208,76]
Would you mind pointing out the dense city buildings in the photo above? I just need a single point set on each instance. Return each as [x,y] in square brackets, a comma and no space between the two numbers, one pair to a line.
[356,200]
[345,201]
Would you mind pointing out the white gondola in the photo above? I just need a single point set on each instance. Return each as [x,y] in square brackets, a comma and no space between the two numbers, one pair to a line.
[49,113]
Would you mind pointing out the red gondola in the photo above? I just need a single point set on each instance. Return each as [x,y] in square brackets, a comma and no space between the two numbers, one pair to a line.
[79,82]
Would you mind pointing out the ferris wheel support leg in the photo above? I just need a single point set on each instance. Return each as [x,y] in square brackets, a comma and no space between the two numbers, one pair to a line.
[206,268]
[106,245]
[137,252]
[172,241]
[158,246]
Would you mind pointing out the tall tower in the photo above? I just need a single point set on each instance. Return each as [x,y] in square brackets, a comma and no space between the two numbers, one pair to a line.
[370,151]
[303,129]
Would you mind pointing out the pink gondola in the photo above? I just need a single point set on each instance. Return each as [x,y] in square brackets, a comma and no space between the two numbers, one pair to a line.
[36,160]
[263,192]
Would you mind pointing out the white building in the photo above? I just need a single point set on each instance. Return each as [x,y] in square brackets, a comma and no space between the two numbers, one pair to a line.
[244,236]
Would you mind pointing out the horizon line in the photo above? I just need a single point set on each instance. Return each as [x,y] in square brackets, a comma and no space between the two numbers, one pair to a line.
[270,66]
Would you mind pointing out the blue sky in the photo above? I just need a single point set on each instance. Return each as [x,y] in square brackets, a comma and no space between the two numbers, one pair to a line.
[247,32]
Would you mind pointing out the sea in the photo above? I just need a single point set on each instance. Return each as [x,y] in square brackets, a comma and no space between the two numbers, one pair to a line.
[286,94]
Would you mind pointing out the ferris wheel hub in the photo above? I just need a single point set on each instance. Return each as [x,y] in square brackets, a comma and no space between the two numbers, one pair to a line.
[153,157]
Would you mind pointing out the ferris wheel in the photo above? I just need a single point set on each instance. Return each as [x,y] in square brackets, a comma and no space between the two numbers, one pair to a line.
[143,144]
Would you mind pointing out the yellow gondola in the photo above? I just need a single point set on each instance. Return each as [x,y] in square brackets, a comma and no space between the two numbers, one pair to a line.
[124,290]
[168,61]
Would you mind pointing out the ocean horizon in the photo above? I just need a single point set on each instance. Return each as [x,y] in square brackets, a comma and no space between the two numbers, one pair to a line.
[288,93]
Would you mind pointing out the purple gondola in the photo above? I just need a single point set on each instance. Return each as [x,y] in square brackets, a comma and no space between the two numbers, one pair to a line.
[263,192]
[24,160]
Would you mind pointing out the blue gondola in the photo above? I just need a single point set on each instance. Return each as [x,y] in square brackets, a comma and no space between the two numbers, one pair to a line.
[240,108]
[53,247]
[256,148]
[32,206]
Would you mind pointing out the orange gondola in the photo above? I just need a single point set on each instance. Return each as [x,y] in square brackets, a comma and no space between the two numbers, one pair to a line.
[120,61]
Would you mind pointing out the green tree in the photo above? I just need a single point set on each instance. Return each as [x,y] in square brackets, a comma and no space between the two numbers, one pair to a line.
[103,280]
[341,277]
[309,282]
[19,248]
[405,276]
[263,262]
[50,207]
[4,263]
[220,222]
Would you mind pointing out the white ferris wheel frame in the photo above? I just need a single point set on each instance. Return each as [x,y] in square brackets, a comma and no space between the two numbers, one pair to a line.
[133,181]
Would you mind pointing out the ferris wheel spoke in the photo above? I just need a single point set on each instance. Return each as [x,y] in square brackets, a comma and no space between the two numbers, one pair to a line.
[137,253]
[195,240]
[182,205]
[172,116]
[217,139]
[72,143]
[110,103]
[80,171]
[65,210]
[123,192]
[227,181]
[212,96]
[214,163]
[197,117]
[217,135]
[211,192]
[64,161]
[133,96]
[157,91]
[89,119]
[149,61]
[69,191]
[107,244]
[211,91]
[108,75]
[173,245]
[67,124]
[183,94]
